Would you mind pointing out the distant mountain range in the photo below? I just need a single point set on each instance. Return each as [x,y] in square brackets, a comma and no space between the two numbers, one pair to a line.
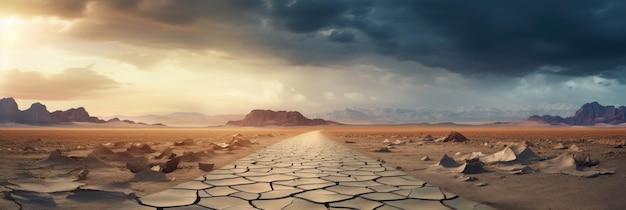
[38,114]
[184,119]
[460,115]
[589,114]
[259,118]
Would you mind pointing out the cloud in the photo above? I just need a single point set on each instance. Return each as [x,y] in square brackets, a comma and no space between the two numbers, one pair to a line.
[354,96]
[341,36]
[59,8]
[72,83]
[579,38]
[329,95]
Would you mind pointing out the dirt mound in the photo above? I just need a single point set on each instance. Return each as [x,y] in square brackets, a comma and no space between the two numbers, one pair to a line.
[447,164]
[104,152]
[92,161]
[137,165]
[566,164]
[57,160]
[521,154]
[186,142]
[140,149]
[453,136]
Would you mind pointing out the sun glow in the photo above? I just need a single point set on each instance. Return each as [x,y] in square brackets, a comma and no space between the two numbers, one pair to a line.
[8,37]
[9,31]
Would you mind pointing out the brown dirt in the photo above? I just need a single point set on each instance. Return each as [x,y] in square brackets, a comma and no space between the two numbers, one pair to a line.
[16,153]
[504,191]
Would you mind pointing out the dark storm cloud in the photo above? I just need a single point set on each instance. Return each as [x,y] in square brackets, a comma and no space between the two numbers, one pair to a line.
[511,38]
[341,36]
[515,37]
[506,38]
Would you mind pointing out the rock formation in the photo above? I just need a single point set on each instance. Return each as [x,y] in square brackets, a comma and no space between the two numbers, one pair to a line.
[258,118]
[38,114]
[74,115]
[8,110]
[588,114]
[552,120]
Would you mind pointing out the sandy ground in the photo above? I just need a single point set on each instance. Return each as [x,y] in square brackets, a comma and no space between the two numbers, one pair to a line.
[503,190]
[21,148]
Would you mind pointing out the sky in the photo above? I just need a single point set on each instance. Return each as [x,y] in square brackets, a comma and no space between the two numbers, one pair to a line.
[131,57]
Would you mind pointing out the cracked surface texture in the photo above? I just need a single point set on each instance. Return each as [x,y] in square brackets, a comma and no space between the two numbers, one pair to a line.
[307,171]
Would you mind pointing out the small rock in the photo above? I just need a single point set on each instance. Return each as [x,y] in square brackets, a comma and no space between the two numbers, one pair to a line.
[481,184]
[425,158]
[166,153]
[349,142]
[171,165]
[186,142]
[383,149]
[575,148]
[559,146]
[29,149]
[83,174]
[206,166]
[399,142]
[466,178]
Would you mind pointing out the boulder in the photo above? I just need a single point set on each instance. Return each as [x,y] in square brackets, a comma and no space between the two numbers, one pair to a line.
[206,166]
[136,165]
[171,165]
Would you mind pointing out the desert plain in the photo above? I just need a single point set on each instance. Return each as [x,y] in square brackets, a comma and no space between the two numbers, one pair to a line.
[30,179]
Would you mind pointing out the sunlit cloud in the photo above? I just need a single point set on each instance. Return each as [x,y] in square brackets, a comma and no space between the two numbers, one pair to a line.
[72,83]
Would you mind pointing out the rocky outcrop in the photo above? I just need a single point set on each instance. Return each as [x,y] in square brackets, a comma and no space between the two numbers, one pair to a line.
[74,115]
[592,113]
[258,118]
[552,120]
[36,114]
[8,110]
[588,114]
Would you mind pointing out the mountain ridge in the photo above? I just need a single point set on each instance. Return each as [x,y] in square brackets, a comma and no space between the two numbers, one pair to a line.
[479,115]
[588,114]
[184,119]
[259,118]
[38,114]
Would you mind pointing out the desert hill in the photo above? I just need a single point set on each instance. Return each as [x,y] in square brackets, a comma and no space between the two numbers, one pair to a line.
[38,114]
[589,114]
[183,119]
[258,118]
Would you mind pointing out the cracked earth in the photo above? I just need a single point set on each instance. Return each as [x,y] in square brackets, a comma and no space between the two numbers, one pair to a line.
[308,171]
